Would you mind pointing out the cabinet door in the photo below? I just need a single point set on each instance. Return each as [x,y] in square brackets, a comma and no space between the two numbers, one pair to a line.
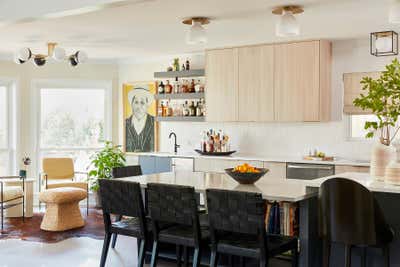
[346,168]
[221,85]
[297,73]
[256,83]
[277,170]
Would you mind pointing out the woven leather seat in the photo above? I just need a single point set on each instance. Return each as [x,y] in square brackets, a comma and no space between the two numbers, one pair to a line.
[182,235]
[237,227]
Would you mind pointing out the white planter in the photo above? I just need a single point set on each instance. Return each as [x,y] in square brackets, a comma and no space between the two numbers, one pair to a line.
[392,173]
[381,156]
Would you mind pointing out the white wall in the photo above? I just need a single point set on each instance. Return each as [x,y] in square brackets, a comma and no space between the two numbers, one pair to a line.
[281,139]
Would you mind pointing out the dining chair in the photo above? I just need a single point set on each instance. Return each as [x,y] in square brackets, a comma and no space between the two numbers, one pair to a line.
[123,198]
[11,196]
[60,172]
[237,227]
[350,215]
[177,205]
[120,172]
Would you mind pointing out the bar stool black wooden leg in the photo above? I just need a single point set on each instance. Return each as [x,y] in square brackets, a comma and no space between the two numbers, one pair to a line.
[178,255]
[241,261]
[196,257]
[142,253]
[347,255]
[154,254]
[295,257]
[214,258]
[106,245]
[263,261]
[114,241]
[186,256]
[363,257]
[386,255]
[326,253]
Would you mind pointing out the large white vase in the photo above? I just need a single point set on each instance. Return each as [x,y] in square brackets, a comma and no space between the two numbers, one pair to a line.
[392,173]
[380,158]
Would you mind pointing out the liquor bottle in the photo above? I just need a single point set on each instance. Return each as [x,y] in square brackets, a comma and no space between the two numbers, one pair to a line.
[160,109]
[168,88]
[164,110]
[185,87]
[199,113]
[185,109]
[197,87]
[191,86]
[187,67]
[192,109]
[183,67]
[161,88]
[176,86]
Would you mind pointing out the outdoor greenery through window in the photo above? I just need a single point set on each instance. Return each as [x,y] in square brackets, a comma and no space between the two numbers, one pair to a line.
[357,131]
[72,123]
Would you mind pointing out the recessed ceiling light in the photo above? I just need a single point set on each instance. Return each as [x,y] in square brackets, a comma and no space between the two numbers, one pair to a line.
[287,24]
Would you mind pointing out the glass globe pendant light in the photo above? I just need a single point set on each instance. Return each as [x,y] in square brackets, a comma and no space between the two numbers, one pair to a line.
[196,33]
[287,24]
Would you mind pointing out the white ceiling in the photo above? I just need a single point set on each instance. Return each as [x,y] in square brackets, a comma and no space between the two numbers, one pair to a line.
[140,29]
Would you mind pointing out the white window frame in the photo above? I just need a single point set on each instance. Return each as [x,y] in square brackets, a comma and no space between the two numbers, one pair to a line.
[74,84]
[12,119]
[355,139]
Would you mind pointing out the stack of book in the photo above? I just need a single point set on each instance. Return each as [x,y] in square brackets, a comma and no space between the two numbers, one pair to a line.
[282,218]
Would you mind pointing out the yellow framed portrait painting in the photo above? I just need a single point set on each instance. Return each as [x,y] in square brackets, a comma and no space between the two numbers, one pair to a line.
[139,113]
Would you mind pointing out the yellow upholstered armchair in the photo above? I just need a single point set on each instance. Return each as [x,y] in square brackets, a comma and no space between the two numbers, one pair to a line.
[59,172]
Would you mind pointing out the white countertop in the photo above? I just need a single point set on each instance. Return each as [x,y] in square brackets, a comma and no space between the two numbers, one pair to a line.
[363,178]
[271,189]
[247,157]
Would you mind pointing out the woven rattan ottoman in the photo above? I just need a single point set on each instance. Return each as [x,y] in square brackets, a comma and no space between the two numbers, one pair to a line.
[62,208]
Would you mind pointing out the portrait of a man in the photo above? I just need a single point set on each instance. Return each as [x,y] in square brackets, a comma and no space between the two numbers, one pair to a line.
[139,121]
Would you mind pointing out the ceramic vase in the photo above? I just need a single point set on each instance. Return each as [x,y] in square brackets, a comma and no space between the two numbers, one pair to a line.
[381,156]
[392,173]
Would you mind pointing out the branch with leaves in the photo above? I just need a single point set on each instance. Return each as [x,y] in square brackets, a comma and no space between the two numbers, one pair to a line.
[103,161]
[382,97]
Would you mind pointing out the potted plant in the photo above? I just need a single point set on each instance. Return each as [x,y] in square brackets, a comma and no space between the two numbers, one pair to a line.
[102,163]
[382,97]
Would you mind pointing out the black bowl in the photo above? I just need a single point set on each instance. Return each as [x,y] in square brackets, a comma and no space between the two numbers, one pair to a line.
[246,178]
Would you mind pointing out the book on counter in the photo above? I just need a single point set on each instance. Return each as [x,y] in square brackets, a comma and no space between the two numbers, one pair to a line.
[282,218]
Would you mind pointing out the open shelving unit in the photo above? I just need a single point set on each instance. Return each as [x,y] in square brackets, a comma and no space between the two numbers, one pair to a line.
[182,118]
[180,96]
[180,74]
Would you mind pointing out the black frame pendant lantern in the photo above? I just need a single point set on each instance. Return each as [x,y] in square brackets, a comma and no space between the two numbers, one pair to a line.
[384,43]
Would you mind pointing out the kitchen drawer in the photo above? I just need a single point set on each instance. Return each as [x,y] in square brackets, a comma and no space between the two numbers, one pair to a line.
[219,165]
[277,170]
[346,168]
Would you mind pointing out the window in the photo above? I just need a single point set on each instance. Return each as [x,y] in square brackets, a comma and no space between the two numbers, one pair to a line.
[73,120]
[357,122]
[7,131]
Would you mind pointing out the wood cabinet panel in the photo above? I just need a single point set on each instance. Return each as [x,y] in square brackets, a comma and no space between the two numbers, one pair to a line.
[222,85]
[256,83]
[346,168]
[297,81]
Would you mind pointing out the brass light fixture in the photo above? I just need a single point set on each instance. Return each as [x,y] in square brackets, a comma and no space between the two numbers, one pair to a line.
[384,43]
[196,34]
[287,24]
[53,51]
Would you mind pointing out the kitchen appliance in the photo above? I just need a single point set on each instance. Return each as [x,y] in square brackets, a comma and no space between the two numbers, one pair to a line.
[305,171]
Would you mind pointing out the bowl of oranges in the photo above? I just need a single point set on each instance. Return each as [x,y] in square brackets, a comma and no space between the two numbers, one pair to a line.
[246,174]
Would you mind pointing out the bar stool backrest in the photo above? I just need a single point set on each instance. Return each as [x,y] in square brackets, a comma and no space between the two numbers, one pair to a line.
[121,198]
[172,204]
[349,213]
[126,171]
[237,212]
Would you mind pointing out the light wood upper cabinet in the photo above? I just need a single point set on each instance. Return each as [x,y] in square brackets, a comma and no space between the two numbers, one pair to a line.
[282,82]
[302,81]
[222,85]
[256,83]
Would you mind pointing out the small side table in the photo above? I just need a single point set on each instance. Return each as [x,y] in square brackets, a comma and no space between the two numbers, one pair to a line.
[16,211]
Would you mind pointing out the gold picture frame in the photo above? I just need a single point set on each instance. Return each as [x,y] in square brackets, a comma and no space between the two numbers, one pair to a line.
[147,139]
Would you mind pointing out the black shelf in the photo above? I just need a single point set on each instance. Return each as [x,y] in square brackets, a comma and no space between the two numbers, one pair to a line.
[180,74]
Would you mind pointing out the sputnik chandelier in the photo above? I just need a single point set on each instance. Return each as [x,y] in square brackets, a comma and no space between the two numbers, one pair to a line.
[53,51]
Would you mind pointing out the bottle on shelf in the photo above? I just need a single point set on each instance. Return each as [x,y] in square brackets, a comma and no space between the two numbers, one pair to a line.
[191,86]
[176,87]
[185,86]
[168,88]
[161,88]
[183,67]
[197,86]
[160,109]
[199,112]
[192,109]
[187,67]
[185,109]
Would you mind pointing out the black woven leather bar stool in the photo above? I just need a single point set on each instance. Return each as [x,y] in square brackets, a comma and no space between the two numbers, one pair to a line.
[177,205]
[123,198]
[237,227]
[119,172]
[350,215]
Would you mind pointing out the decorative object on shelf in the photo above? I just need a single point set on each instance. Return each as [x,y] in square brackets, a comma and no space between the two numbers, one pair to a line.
[140,127]
[26,161]
[101,165]
[196,34]
[53,51]
[287,24]
[187,66]
[392,172]
[382,98]
[170,69]
[214,142]
[384,43]
[246,174]
[176,64]
[180,74]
